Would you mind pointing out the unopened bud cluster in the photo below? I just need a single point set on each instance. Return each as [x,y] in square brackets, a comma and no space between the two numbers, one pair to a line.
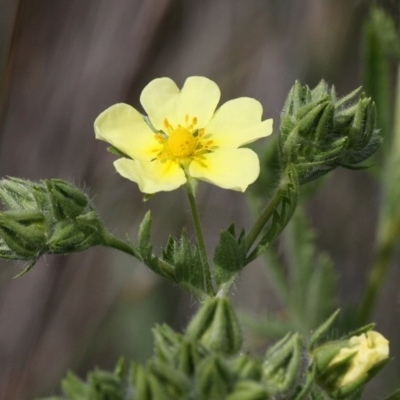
[320,132]
[52,216]
[207,362]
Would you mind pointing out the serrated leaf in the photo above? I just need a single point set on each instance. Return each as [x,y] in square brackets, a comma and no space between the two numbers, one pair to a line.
[189,270]
[312,277]
[168,251]
[229,258]
[143,239]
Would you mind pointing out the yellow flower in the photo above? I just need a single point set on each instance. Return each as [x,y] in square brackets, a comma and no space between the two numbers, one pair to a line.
[183,135]
[368,350]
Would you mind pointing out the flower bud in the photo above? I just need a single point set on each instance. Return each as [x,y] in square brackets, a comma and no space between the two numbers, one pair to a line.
[51,216]
[246,367]
[71,236]
[16,194]
[281,365]
[249,390]
[67,200]
[318,132]
[214,378]
[216,326]
[346,365]
[24,233]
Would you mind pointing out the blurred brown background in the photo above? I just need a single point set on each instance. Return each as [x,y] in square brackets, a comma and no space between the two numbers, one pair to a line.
[62,62]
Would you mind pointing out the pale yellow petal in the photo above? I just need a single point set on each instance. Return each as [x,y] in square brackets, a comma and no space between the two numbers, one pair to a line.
[159,100]
[229,169]
[238,122]
[199,98]
[152,177]
[124,127]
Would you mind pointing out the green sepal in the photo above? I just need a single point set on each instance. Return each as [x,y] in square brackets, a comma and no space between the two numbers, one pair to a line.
[360,331]
[6,252]
[189,355]
[214,378]
[67,200]
[175,382]
[249,390]
[322,357]
[147,196]
[73,387]
[302,391]
[141,383]
[16,194]
[281,364]
[117,152]
[321,330]
[24,232]
[166,342]
[216,326]
[157,389]
[246,368]
[74,236]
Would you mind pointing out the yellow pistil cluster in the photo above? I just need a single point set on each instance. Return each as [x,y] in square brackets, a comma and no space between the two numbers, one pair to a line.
[183,142]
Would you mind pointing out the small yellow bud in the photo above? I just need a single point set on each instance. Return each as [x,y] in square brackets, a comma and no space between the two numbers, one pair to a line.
[347,365]
[368,350]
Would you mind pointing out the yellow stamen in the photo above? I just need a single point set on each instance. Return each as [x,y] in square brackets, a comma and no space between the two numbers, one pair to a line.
[182,143]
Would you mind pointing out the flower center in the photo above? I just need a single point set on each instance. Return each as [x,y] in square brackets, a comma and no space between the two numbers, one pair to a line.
[183,143]
[180,143]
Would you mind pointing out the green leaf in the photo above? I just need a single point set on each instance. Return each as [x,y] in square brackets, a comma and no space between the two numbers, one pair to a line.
[189,272]
[376,66]
[143,239]
[229,258]
[312,276]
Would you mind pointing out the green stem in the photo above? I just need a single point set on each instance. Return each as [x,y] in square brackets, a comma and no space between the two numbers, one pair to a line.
[113,242]
[376,276]
[200,239]
[263,218]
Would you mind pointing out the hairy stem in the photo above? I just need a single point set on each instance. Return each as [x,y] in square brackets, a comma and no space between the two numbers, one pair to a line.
[113,242]
[200,239]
